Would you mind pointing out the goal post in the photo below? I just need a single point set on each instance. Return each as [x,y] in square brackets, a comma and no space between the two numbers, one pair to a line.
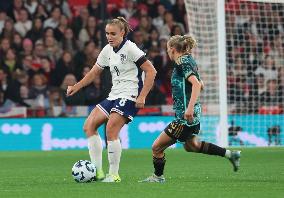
[221,36]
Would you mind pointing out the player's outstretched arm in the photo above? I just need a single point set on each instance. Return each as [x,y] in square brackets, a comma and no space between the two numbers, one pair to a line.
[90,76]
[150,73]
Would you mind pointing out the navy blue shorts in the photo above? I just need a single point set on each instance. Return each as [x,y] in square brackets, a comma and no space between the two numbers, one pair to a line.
[121,106]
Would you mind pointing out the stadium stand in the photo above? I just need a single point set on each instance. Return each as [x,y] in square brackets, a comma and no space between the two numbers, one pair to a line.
[46,45]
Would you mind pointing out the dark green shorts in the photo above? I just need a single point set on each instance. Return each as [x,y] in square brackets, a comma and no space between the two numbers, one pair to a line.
[181,132]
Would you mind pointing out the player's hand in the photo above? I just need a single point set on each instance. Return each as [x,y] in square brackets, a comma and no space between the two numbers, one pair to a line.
[140,102]
[71,90]
[188,114]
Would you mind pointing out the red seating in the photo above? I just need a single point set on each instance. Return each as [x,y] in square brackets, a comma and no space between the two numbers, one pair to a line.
[78,2]
[150,111]
[270,110]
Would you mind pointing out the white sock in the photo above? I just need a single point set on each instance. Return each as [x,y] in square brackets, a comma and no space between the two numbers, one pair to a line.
[114,153]
[95,150]
[228,153]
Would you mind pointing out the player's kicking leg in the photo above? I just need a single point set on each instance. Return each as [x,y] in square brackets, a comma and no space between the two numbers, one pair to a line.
[235,159]
[193,145]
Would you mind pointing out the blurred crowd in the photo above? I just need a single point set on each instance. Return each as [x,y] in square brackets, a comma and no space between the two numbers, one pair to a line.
[255,56]
[46,45]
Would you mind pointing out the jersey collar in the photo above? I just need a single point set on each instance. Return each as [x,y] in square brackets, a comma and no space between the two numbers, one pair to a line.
[120,46]
[180,59]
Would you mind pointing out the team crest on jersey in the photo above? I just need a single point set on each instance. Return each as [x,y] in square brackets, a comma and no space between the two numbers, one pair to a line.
[123,58]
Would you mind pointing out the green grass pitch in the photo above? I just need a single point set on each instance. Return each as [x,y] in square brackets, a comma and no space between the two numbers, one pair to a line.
[48,175]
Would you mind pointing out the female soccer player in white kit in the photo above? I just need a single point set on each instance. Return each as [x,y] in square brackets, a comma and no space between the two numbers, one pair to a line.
[128,93]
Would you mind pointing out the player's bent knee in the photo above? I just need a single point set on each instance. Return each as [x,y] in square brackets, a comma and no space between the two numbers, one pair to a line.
[90,129]
[110,128]
[195,146]
[192,146]
[187,148]
[156,149]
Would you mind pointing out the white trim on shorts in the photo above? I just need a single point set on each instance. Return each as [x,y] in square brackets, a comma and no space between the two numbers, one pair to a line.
[121,113]
[103,110]
[130,117]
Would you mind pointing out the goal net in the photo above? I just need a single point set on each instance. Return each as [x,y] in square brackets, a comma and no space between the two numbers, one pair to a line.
[240,54]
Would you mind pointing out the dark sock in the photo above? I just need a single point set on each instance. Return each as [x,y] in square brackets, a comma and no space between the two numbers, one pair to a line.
[211,149]
[159,164]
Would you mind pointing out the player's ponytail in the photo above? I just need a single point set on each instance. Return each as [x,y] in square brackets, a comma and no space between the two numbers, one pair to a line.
[126,25]
[122,23]
[190,43]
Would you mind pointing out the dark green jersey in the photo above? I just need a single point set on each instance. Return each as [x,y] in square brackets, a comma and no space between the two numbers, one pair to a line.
[184,67]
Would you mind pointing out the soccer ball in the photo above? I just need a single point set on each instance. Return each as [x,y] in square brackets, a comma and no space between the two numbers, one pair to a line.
[84,171]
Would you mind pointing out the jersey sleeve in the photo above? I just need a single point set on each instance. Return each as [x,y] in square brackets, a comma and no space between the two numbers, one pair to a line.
[188,70]
[135,53]
[103,58]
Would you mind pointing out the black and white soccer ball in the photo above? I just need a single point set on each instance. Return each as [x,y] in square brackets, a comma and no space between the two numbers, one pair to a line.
[84,171]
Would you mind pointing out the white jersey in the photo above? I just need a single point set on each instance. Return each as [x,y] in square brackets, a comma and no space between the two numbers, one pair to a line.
[126,75]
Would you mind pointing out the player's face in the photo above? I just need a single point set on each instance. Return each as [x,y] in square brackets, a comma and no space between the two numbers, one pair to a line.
[114,35]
